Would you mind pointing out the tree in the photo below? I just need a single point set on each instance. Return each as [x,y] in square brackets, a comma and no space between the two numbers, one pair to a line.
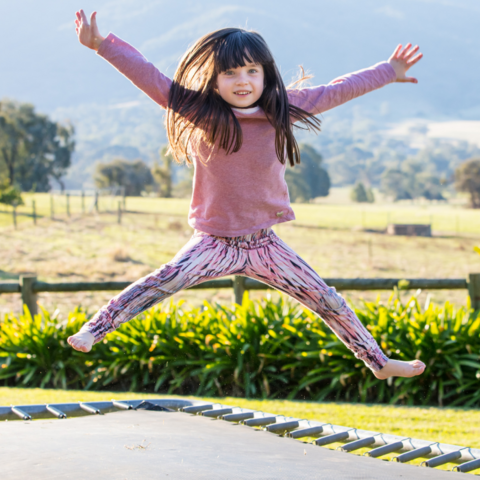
[33,149]
[467,179]
[134,176]
[163,174]
[308,179]
[361,194]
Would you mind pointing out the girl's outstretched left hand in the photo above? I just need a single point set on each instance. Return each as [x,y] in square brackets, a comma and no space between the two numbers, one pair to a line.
[402,59]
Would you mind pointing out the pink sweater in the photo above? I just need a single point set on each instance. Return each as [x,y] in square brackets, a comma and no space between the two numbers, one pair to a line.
[243,192]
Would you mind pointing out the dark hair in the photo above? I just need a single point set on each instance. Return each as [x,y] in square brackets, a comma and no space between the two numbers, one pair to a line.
[196,111]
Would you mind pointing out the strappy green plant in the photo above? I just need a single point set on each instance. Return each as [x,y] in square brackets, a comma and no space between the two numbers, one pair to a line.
[265,349]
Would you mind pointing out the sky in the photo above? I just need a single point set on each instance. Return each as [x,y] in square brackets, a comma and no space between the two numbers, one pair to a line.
[43,63]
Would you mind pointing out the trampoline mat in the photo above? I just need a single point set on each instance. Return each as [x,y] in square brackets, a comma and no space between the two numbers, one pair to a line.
[145,445]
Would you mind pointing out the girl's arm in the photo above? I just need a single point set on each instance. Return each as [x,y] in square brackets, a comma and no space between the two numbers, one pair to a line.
[325,97]
[126,59]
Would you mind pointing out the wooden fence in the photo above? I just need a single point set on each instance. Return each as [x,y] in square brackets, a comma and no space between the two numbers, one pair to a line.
[29,286]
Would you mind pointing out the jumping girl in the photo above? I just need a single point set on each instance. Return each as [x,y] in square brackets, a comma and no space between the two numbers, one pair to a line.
[229,113]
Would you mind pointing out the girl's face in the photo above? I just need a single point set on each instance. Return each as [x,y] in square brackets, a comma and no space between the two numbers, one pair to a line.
[241,86]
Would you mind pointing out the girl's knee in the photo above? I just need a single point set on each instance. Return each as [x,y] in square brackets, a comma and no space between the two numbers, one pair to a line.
[333,300]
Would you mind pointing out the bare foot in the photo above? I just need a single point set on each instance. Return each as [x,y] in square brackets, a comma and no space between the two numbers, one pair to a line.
[81,341]
[397,368]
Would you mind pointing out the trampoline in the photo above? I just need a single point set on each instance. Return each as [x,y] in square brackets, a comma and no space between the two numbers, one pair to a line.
[181,439]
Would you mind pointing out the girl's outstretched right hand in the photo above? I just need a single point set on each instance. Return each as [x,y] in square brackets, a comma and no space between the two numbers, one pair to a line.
[88,34]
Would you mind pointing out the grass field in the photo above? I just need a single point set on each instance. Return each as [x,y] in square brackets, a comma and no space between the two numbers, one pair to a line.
[332,212]
[447,425]
[337,239]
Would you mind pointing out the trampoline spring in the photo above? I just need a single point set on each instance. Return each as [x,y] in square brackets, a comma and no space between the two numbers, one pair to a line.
[441,459]
[383,450]
[467,466]
[238,417]
[215,413]
[122,405]
[307,432]
[336,437]
[19,412]
[197,408]
[355,445]
[260,421]
[55,411]
[281,428]
[413,454]
[88,408]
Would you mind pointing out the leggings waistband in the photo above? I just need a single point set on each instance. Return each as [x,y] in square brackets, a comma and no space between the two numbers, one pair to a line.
[252,240]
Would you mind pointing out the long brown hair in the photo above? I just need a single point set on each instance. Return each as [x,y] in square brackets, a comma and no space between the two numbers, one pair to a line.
[196,111]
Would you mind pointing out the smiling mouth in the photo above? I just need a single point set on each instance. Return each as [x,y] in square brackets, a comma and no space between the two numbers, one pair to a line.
[242,93]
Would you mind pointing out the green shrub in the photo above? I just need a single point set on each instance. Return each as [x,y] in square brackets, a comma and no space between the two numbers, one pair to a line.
[261,349]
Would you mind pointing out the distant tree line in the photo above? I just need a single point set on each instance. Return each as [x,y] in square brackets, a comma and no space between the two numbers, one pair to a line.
[413,180]
[305,181]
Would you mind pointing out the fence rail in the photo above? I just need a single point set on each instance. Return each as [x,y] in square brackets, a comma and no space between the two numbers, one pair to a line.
[29,286]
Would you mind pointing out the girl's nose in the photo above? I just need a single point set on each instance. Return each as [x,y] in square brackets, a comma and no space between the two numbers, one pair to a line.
[242,80]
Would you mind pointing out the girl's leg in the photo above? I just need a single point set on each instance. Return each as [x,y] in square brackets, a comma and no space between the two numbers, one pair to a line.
[201,259]
[279,266]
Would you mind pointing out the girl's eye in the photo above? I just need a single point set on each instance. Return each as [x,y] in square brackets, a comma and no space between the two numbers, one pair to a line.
[252,70]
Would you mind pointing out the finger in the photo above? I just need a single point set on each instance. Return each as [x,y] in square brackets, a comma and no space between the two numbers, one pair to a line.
[77,23]
[412,52]
[77,14]
[84,18]
[414,60]
[410,80]
[93,19]
[405,50]
[397,51]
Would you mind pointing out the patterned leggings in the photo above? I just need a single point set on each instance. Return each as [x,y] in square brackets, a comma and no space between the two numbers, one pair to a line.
[262,256]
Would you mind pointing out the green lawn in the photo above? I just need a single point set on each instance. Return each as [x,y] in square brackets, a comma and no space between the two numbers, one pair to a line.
[450,218]
[447,425]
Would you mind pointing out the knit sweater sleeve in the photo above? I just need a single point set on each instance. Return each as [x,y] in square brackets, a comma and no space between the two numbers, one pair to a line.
[131,63]
[325,97]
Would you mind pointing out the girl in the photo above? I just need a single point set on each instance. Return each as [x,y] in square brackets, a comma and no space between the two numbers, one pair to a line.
[229,113]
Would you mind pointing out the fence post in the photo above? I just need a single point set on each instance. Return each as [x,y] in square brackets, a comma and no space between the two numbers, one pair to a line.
[474,290]
[83,202]
[68,204]
[52,213]
[34,212]
[14,213]
[238,288]
[119,213]
[29,298]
